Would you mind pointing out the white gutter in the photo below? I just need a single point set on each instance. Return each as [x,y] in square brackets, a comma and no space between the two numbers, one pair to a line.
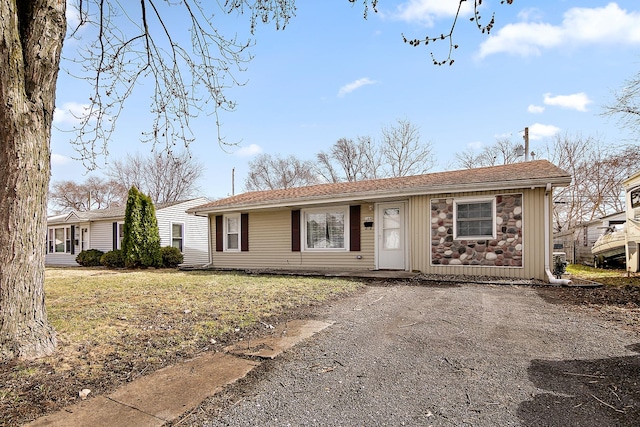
[547,244]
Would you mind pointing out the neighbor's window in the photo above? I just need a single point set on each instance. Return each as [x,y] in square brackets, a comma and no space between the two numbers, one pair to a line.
[59,240]
[634,197]
[232,232]
[326,229]
[474,219]
[177,235]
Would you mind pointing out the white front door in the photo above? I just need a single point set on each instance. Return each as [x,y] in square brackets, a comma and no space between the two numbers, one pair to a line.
[84,238]
[391,237]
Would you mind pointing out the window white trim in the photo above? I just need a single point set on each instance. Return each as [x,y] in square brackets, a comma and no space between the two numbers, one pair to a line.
[305,213]
[465,201]
[52,246]
[179,238]
[235,231]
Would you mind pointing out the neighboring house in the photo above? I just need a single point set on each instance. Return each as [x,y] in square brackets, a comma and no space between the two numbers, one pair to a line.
[71,233]
[491,221]
[632,238]
[577,242]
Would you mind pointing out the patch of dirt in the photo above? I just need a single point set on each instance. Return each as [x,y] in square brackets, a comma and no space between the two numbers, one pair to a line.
[616,303]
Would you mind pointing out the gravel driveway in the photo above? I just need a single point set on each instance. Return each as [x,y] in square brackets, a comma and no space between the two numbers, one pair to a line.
[477,355]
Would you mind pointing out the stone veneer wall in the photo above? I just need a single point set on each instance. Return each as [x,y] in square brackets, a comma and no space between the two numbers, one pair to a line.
[504,251]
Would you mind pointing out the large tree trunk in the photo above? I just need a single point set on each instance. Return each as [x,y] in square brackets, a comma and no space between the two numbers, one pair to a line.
[31,36]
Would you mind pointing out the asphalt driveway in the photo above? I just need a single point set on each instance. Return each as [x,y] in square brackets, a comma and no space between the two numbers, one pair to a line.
[477,355]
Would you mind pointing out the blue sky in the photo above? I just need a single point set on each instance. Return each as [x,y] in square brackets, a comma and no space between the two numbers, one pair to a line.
[549,66]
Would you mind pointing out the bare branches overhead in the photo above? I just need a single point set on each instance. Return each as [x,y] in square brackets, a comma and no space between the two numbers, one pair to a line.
[132,42]
[448,37]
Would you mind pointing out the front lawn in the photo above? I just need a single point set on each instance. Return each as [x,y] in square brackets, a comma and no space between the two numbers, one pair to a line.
[116,325]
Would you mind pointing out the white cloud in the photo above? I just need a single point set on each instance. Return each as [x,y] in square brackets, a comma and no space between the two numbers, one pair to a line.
[70,113]
[249,151]
[535,109]
[601,25]
[59,159]
[426,12]
[530,14]
[350,87]
[73,16]
[475,145]
[576,101]
[539,131]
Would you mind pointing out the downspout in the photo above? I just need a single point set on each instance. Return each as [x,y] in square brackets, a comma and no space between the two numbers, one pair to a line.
[547,244]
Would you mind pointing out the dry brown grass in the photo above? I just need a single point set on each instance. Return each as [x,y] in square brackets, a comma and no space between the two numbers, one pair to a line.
[605,276]
[115,325]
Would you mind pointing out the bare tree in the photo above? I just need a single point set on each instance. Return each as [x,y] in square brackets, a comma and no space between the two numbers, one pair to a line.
[94,193]
[121,52]
[399,153]
[597,170]
[403,152]
[372,159]
[268,172]
[626,107]
[350,161]
[164,178]
[502,152]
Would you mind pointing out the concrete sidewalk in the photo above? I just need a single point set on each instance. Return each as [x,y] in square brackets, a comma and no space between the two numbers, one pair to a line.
[168,393]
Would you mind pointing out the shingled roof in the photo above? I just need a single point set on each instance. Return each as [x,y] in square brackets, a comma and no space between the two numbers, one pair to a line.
[110,213]
[536,173]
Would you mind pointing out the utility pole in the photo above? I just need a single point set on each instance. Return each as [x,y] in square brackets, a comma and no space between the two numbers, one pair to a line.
[233,181]
[526,144]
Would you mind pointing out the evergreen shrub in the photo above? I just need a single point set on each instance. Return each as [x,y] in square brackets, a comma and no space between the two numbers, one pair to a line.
[89,258]
[171,257]
[113,259]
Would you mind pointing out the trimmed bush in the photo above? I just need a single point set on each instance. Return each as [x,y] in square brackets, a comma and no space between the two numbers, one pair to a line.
[89,258]
[171,257]
[113,259]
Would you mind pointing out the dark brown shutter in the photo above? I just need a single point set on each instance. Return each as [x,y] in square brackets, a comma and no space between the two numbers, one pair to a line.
[73,240]
[354,228]
[244,230]
[115,236]
[219,241]
[295,231]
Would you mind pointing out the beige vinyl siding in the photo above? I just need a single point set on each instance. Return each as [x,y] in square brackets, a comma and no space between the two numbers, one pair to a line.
[270,247]
[532,237]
